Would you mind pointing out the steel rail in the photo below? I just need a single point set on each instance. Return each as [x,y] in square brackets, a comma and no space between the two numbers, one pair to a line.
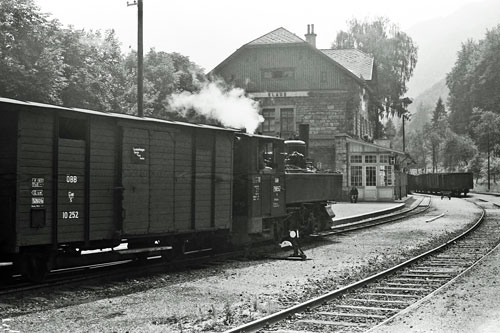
[317,301]
[113,270]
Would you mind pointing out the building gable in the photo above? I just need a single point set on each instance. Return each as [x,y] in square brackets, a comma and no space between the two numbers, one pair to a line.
[283,57]
[278,36]
[285,67]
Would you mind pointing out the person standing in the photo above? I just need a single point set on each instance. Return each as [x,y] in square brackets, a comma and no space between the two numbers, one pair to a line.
[354,194]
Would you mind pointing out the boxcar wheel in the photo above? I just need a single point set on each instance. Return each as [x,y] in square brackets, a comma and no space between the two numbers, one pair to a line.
[179,249]
[6,273]
[36,268]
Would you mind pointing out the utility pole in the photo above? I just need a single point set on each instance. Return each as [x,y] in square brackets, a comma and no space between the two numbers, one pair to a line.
[404,133]
[140,60]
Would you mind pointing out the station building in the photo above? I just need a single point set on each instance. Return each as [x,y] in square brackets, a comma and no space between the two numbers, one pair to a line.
[328,98]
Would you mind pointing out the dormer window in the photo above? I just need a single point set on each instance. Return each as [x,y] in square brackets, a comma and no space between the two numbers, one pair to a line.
[278,73]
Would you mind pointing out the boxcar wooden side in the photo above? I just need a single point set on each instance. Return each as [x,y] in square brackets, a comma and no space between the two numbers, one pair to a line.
[84,179]
[8,179]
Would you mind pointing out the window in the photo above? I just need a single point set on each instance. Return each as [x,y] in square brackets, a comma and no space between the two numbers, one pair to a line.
[279,74]
[384,159]
[268,124]
[356,159]
[287,122]
[386,175]
[266,156]
[356,175]
[371,176]
[71,128]
[371,159]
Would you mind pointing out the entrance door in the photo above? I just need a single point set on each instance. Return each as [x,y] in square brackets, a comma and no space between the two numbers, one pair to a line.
[370,183]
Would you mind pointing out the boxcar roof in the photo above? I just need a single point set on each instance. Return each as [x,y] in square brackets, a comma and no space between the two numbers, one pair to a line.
[259,136]
[4,100]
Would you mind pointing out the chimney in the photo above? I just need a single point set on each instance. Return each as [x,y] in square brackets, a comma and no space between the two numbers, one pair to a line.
[311,36]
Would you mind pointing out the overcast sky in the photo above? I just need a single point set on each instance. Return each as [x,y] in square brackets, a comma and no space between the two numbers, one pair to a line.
[209,31]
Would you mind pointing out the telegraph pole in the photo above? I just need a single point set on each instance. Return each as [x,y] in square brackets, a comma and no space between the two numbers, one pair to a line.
[404,146]
[489,160]
[140,60]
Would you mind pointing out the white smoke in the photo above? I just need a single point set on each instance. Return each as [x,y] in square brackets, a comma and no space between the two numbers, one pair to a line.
[229,106]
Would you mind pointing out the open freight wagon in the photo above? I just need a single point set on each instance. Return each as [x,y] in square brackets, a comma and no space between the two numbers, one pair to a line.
[456,184]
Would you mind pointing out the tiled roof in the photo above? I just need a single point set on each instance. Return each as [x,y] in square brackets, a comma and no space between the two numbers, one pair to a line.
[278,36]
[357,62]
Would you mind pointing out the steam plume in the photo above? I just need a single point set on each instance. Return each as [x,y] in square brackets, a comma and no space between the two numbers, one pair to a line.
[229,106]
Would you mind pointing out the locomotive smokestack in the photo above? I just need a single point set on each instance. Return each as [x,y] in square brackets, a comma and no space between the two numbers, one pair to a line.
[304,135]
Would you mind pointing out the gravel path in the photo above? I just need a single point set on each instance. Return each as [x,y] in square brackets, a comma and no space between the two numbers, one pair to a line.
[215,299]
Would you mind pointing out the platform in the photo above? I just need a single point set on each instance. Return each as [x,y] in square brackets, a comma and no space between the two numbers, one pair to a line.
[346,212]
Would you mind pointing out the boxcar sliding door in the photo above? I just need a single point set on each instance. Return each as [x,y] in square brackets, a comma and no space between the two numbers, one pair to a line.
[71,180]
[135,180]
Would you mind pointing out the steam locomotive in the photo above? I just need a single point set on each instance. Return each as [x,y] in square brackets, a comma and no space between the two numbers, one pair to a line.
[74,180]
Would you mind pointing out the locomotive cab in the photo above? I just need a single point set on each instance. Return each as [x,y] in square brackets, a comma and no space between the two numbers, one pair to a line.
[259,197]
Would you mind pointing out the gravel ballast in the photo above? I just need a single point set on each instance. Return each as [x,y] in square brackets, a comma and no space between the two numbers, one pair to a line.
[470,303]
[215,299]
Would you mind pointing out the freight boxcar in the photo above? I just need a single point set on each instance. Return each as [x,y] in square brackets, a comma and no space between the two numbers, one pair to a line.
[442,183]
[73,180]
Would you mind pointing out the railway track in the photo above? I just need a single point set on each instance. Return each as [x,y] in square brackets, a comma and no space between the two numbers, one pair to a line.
[365,304]
[423,205]
[129,268]
[114,270]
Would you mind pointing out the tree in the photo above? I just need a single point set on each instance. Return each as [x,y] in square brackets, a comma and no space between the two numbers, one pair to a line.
[44,62]
[31,61]
[420,117]
[485,87]
[439,115]
[93,69]
[436,133]
[433,141]
[459,81]
[474,81]
[417,148]
[475,166]
[458,150]
[164,74]
[390,129]
[395,58]
[486,129]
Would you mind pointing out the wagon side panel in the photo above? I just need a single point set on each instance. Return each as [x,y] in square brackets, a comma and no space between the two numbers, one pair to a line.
[8,165]
[104,187]
[183,166]
[203,177]
[223,180]
[34,177]
[135,180]
[162,182]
